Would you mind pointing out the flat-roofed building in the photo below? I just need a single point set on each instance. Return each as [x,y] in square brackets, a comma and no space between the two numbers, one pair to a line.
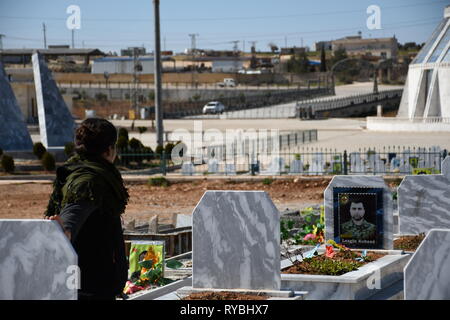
[386,48]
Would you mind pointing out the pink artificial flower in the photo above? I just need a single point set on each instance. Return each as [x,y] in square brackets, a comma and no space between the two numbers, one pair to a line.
[309,236]
[329,251]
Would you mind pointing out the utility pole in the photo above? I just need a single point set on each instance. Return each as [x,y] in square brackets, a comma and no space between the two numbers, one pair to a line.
[253,59]
[236,54]
[137,67]
[193,51]
[73,38]
[157,73]
[45,35]
[285,41]
[1,41]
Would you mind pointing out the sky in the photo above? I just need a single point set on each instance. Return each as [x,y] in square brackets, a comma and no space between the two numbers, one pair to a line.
[110,25]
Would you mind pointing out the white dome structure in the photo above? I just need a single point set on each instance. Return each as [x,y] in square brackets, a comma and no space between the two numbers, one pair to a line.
[427,89]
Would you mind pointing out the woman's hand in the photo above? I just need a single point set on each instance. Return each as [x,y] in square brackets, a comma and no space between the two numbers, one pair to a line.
[58,218]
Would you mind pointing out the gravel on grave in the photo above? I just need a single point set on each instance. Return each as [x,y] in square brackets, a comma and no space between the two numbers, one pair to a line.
[408,243]
[224,295]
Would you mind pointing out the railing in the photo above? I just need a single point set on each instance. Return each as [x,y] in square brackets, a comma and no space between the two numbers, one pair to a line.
[337,102]
[409,120]
[290,161]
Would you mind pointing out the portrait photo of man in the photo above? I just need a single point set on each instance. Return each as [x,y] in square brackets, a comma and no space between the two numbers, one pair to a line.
[357,212]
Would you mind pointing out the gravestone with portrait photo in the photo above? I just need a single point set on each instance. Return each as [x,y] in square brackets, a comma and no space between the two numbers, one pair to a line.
[359,212]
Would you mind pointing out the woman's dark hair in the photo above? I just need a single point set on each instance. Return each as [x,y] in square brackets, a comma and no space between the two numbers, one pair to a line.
[95,136]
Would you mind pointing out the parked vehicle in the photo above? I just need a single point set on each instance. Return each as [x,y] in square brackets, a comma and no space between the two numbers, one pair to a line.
[227,82]
[213,107]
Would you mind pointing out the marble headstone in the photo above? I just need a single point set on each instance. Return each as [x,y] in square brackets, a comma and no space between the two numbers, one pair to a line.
[424,201]
[427,274]
[56,124]
[236,241]
[37,261]
[363,182]
[296,167]
[14,134]
[187,168]
[230,169]
[276,166]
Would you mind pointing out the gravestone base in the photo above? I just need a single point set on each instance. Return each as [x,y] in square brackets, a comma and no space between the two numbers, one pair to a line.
[351,285]
[272,294]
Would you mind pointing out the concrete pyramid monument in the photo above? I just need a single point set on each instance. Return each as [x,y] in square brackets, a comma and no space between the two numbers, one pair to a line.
[56,124]
[14,134]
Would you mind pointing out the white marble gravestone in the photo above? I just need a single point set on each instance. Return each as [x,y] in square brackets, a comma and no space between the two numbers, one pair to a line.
[360,181]
[14,134]
[56,124]
[296,167]
[187,168]
[213,166]
[357,165]
[427,274]
[276,166]
[230,169]
[37,261]
[424,201]
[236,241]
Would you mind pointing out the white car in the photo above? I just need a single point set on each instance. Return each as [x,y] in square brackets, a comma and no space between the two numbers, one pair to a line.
[213,107]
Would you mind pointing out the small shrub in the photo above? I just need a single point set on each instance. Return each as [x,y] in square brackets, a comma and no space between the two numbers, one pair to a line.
[39,150]
[168,148]
[48,161]
[267,181]
[69,148]
[135,144]
[142,129]
[158,182]
[101,96]
[7,163]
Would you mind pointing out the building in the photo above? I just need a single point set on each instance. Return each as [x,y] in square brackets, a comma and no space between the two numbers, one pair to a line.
[23,56]
[386,48]
[427,88]
[327,45]
[124,65]
[425,104]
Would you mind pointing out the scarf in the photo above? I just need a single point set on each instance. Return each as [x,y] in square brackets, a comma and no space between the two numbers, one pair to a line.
[88,178]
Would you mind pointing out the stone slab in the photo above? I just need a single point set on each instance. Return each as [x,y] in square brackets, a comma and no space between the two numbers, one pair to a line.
[427,275]
[236,237]
[14,135]
[56,124]
[36,261]
[424,201]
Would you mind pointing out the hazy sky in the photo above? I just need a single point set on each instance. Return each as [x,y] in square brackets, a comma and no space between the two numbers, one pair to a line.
[111,25]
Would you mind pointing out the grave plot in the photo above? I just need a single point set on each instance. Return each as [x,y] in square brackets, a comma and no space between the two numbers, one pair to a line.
[235,247]
[358,224]
[423,202]
[37,261]
[427,275]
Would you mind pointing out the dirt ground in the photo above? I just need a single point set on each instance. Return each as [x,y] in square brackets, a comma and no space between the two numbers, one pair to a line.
[29,200]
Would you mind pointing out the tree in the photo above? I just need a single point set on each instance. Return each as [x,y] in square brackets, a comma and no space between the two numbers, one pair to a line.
[338,55]
[273,47]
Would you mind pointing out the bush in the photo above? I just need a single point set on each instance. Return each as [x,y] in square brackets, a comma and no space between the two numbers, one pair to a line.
[158,182]
[168,148]
[135,144]
[122,143]
[7,163]
[142,129]
[39,150]
[123,133]
[267,181]
[159,150]
[101,96]
[69,148]
[48,161]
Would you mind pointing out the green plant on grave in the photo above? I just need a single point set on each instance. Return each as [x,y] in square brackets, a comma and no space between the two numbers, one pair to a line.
[39,150]
[7,163]
[330,266]
[142,130]
[267,181]
[312,231]
[297,156]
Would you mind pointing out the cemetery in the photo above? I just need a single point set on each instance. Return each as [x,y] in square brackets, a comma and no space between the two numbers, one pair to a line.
[297,223]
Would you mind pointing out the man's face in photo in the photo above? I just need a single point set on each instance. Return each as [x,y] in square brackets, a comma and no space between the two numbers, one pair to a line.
[357,212]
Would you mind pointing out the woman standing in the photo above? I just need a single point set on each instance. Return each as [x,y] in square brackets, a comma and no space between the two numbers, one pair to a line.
[88,199]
